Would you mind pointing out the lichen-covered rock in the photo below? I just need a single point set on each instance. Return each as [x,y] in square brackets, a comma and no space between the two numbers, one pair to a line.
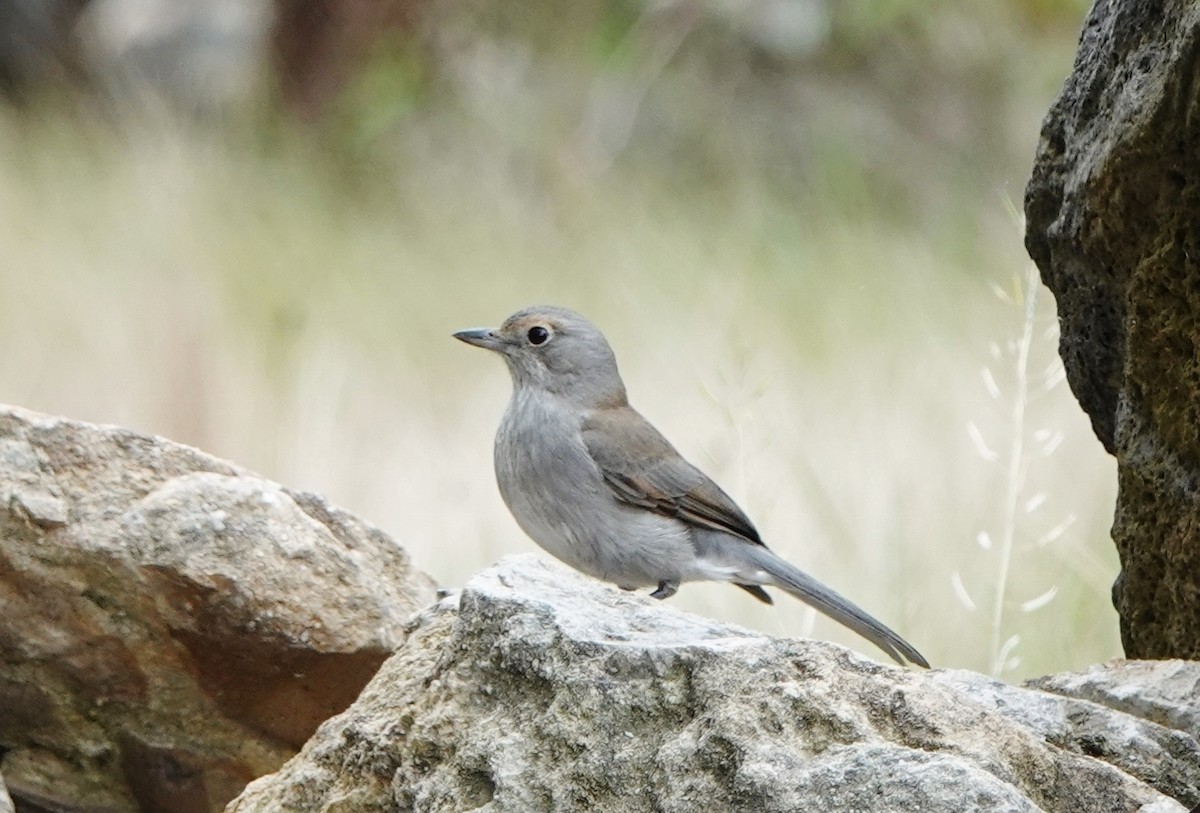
[1163,692]
[172,626]
[1113,211]
[536,689]
[1159,752]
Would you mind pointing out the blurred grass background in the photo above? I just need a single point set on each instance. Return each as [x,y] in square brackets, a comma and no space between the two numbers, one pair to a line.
[794,220]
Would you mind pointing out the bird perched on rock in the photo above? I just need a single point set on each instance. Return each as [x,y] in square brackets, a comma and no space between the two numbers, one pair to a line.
[596,485]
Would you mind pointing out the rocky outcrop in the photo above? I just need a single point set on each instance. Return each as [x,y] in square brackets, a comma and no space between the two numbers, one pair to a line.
[1113,212]
[172,626]
[537,689]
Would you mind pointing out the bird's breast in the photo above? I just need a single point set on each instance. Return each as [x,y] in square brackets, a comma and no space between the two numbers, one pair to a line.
[546,477]
[557,494]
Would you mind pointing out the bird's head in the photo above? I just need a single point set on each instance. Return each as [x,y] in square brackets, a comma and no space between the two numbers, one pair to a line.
[555,350]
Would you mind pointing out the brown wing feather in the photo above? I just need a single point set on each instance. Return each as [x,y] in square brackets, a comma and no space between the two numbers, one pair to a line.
[642,468]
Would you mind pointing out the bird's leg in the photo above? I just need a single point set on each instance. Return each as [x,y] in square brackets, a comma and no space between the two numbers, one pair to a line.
[666,589]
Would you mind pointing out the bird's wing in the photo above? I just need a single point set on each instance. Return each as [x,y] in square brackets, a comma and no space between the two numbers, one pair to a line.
[642,468]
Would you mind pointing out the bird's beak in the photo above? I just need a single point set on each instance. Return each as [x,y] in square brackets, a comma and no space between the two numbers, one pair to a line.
[481,337]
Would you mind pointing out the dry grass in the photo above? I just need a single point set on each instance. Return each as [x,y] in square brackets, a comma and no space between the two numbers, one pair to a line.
[823,367]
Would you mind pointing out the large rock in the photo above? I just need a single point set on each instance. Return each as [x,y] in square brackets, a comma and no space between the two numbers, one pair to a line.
[536,689]
[172,626]
[1114,225]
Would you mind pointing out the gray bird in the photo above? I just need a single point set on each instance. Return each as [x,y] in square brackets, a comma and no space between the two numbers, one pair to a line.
[594,484]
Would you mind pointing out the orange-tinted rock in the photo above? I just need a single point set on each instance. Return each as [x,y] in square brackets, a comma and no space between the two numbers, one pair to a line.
[172,626]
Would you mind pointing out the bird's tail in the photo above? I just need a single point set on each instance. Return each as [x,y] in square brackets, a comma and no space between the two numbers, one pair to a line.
[790,578]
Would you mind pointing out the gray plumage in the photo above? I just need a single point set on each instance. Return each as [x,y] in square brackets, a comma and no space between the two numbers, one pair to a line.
[596,485]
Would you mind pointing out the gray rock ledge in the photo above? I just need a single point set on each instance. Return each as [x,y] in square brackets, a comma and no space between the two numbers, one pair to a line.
[536,689]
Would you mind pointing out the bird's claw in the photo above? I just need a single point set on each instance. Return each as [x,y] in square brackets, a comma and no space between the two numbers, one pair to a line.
[666,589]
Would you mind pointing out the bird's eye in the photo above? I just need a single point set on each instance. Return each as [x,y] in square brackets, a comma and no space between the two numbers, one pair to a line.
[538,335]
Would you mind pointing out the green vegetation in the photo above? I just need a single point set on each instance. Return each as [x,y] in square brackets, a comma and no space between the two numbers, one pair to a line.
[795,256]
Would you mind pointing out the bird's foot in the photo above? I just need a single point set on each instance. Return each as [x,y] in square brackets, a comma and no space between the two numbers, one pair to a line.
[666,589]
[626,589]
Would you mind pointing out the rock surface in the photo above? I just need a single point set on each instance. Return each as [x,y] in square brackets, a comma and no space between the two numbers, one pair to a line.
[172,626]
[536,689]
[1113,211]
[1164,692]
